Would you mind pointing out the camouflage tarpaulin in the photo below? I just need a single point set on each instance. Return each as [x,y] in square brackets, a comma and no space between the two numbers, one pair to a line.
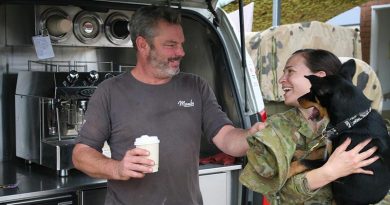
[271,48]
[366,79]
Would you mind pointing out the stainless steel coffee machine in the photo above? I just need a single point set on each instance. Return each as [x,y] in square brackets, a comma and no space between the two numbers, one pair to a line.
[49,111]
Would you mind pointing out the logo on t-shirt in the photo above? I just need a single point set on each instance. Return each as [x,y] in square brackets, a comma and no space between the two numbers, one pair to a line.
[183,103]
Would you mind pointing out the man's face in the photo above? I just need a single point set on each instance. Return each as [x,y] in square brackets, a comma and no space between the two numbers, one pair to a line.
[166,50]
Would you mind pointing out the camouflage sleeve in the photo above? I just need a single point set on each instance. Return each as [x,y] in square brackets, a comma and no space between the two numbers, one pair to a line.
[296,191]
[269,158]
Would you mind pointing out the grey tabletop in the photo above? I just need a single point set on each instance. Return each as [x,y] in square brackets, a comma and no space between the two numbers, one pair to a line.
[35,180]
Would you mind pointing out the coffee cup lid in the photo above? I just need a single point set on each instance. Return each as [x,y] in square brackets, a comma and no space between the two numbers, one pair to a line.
[145,139]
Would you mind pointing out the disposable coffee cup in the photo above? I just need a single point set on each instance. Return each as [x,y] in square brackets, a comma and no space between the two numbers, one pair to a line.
[150,143]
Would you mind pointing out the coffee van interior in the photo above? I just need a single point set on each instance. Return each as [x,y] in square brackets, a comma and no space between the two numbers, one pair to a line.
[212,51]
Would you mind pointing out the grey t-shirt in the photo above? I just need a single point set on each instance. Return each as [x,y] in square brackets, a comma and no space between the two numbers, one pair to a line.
[178,112]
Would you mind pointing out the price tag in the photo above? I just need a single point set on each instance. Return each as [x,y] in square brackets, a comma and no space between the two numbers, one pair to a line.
[43,47]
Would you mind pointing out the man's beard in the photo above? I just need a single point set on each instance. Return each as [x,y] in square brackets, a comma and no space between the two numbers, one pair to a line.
[163,70]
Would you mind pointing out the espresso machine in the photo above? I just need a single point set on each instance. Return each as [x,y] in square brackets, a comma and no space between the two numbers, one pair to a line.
[49,111]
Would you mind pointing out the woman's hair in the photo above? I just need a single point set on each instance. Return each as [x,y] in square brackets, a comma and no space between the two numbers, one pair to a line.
[320,60]
[145,20]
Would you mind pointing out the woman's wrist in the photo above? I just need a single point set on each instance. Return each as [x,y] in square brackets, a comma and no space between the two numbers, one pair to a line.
[318,178]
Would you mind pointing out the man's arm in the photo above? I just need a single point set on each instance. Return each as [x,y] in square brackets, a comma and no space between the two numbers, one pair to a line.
[95,164]
[232,140]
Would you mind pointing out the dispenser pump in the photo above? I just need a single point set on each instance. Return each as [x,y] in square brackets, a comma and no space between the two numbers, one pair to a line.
[92,78]
[71,78]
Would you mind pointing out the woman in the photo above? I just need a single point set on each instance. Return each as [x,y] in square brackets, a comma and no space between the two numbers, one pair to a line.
[291,134]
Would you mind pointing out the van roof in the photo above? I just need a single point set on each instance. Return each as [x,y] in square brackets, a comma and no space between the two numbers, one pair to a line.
[184,3]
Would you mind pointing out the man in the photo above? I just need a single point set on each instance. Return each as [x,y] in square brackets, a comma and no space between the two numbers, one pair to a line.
[150,100]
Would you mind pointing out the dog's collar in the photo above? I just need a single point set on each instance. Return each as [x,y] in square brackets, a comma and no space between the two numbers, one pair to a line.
[346,124]
[334,131]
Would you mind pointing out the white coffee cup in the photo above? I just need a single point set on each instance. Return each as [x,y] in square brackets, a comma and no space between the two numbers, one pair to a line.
[150,143]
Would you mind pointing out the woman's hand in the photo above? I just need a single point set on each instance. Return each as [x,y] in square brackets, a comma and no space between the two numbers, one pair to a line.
[342,163]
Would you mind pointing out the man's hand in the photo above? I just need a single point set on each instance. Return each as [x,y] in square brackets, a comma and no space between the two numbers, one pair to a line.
[256,127]
[134,164]
[232,140]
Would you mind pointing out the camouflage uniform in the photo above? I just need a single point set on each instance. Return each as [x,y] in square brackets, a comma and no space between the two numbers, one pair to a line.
[271,150]
[270,155]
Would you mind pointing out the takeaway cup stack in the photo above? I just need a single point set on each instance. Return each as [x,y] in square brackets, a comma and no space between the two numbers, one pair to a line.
[150,143]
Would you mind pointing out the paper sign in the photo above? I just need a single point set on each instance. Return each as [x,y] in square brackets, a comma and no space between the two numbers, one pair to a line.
[43,47]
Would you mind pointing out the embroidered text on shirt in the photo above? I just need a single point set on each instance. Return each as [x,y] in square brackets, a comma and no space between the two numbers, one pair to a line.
[183,103]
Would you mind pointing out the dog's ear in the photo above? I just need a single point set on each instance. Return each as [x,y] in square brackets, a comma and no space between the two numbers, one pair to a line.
[317,86]
[313,79]
[348,70]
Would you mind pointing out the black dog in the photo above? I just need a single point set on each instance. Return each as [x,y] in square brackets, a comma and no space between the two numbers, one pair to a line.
[350,115]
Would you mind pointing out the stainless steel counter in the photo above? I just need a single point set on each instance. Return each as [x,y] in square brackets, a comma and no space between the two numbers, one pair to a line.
[37,181]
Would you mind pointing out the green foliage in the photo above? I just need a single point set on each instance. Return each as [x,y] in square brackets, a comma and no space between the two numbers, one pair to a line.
[295,11]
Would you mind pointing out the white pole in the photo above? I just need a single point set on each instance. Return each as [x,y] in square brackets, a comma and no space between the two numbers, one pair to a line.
[276,12]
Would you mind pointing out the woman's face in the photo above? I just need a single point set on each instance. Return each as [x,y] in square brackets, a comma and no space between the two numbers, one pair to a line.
[293,81]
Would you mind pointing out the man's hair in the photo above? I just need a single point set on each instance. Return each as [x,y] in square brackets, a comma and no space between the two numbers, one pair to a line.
[145,20]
